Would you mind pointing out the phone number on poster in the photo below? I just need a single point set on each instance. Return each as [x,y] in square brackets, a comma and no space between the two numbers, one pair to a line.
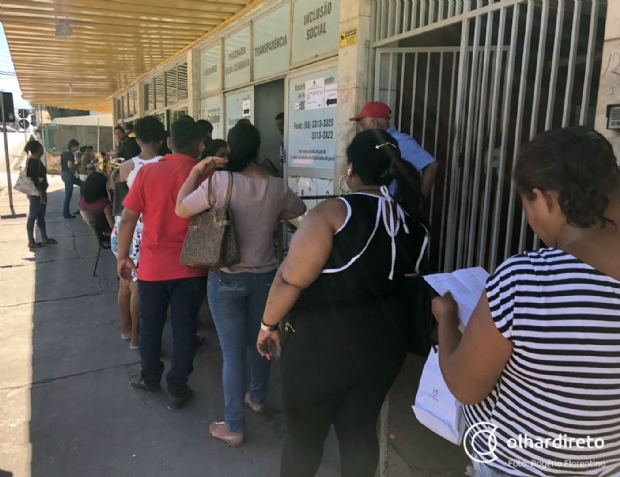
[322,135]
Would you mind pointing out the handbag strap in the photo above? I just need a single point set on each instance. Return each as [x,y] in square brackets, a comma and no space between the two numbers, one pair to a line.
[228,195]
[209,192]
[230,185]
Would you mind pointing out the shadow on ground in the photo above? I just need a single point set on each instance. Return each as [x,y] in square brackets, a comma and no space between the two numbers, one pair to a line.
[84,417]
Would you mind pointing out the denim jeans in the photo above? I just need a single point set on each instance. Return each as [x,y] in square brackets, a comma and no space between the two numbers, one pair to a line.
[237,303]
[36,213]
[184,296]
[70,180]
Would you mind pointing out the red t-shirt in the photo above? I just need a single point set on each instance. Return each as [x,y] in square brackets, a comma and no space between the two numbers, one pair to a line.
[154,194]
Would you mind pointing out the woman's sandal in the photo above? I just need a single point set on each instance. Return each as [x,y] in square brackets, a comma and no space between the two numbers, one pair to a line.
[35,245]
[125,337]
[257,407]
[50,241]
[233,441]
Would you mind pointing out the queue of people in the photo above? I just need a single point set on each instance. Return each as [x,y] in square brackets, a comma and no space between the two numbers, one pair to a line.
[539,354]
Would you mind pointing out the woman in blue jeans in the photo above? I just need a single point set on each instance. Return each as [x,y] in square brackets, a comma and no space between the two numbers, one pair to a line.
[238,295]
[67,165]
[37,172]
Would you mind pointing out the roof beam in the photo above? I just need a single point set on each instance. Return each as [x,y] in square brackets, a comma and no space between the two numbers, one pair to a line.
[104,7]
[142,21]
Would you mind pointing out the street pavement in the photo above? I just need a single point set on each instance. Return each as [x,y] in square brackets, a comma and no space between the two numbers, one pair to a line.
[66,406]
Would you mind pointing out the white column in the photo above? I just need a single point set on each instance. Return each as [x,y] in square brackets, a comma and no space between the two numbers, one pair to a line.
[353,64]
[193,83]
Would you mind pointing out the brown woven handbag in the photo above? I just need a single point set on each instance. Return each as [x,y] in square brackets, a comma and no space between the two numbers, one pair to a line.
[211,240]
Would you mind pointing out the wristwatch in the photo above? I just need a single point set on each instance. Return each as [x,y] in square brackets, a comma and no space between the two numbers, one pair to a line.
[266,327]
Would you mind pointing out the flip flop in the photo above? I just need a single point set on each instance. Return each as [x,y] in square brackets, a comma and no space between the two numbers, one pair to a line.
[50,242]
[36,245]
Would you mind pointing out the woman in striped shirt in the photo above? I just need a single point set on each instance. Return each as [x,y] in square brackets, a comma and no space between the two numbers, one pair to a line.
[538,365]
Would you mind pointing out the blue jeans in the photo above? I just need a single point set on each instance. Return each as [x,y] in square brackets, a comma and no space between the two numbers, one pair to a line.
[237,303]
[70,180]
[184,296]
[36,214]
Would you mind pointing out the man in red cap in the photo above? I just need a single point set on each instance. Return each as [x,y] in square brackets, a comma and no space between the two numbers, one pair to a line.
[375,115]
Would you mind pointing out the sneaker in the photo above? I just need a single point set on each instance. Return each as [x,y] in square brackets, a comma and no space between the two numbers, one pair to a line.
[139,384]
[176,403]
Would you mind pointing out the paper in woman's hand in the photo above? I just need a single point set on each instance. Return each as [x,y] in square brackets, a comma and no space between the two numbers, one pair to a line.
[466,286]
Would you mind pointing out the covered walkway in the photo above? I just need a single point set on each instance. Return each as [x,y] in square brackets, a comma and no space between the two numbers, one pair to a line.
[66,407]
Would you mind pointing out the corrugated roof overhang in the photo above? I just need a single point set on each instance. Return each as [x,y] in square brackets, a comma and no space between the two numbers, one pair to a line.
[114,42]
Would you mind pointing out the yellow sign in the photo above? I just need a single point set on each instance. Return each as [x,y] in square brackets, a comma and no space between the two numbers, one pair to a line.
[348,38]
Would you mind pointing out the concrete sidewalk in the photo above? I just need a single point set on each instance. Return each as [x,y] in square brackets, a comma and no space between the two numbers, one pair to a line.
[67,410]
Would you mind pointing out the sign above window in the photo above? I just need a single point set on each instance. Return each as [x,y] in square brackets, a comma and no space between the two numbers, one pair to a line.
[210,75]
[271,43]
[237,59]
[316,29]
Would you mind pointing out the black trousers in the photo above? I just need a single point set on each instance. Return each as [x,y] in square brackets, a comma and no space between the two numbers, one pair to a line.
[337,370]
[184,297]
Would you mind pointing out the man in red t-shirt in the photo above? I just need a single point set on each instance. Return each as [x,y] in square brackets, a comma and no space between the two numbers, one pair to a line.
[162,280]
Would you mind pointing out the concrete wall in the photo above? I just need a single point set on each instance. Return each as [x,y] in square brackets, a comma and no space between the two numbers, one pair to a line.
[609,89]
[353,64]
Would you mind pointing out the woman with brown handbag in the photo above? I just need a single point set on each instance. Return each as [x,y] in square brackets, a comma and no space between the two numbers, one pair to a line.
[238,294]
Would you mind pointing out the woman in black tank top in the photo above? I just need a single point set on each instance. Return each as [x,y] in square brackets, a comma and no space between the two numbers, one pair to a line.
[338,292]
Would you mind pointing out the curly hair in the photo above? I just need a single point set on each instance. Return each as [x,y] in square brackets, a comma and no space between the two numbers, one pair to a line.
[149,130]
[579,164]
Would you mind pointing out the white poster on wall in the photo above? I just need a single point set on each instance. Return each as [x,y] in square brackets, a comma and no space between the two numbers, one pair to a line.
[311,131]
[236,106]
[271,43]
[246,108]
[237,58]
[316,29]
[211,110]
[210,77]
[331,95]
[315,92]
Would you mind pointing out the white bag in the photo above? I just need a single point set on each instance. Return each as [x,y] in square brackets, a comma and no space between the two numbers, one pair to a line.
[435,406]
[24,183]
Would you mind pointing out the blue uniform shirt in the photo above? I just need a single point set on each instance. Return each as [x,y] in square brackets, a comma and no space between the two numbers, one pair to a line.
[411,151]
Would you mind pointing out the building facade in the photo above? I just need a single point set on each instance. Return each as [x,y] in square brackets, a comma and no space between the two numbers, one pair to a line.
[470,80]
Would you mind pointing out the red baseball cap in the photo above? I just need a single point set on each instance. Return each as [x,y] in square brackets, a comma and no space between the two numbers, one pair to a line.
[375,110]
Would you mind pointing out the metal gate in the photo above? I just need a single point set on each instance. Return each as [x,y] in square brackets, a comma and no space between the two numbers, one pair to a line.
[515,69]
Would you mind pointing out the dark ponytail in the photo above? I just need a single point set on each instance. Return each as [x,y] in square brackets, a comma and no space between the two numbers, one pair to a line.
[579,164]
[377,161]
[32,147]
[244,143]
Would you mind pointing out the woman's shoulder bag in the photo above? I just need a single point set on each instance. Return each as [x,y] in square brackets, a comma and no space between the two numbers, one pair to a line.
[24,184]
[211,240]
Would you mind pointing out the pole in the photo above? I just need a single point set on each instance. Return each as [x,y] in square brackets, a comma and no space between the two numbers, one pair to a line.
[6,158]
[98,137]
[25,134]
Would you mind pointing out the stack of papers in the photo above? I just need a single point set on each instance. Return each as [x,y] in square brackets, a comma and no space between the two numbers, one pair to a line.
[466,286]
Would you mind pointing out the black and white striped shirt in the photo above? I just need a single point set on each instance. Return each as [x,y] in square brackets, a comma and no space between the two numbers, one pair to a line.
[563,378]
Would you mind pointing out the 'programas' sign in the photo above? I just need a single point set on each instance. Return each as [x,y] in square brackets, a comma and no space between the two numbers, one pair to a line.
[237,58]
[315,28]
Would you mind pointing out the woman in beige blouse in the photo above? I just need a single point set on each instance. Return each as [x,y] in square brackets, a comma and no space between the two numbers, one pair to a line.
[238,294]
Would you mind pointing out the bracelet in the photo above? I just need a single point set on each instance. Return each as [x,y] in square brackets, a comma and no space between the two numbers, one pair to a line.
[265,327]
